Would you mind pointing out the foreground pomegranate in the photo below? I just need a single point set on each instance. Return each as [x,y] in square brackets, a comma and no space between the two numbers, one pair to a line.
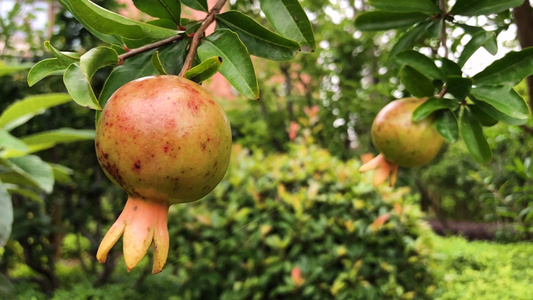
[164,140]
[400,141]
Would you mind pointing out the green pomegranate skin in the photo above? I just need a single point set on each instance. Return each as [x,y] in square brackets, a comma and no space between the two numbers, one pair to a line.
[402,141]
[164,139]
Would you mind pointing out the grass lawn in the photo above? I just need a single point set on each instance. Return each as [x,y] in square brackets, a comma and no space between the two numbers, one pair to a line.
[482,270]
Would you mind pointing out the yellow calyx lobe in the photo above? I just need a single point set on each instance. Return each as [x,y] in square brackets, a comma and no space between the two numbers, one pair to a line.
[143,223]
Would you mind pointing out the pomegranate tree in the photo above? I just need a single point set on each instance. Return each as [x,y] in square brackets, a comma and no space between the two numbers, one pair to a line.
[164,140]
[400,141]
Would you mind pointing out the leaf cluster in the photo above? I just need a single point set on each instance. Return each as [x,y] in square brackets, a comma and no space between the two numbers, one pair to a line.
[136,49]
[463,104]
[22,172]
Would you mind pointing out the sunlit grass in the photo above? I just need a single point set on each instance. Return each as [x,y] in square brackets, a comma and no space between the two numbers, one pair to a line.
[482,270]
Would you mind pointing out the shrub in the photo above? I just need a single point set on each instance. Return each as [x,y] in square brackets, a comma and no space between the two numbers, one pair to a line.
[500,191]
[301,225]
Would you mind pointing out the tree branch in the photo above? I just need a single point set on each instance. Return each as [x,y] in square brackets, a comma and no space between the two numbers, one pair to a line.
[209,19]
[443,37]
[523,18]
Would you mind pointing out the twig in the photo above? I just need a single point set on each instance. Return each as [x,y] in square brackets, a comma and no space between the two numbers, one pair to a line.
[210,18]
[442,92]
[133,52]
[527,129]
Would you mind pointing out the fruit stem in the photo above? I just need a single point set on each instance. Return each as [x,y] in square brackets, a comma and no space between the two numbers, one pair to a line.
[209,19]
[143,223]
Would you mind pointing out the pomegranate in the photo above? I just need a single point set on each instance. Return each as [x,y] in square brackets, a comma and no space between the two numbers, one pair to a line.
[164,140]
[400,141]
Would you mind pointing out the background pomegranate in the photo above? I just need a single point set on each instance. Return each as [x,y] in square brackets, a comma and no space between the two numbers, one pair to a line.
[400,141]
[164,140]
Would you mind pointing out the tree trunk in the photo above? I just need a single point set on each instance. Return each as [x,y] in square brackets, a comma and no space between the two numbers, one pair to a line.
[285,69]
[469,230]
[49,282]
[523,18]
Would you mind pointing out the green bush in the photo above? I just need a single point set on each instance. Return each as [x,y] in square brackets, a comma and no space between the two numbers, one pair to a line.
[303,210]
[482,270]
[271,216]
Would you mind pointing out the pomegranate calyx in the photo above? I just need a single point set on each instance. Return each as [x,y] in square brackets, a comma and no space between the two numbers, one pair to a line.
[383,168]
[143,223]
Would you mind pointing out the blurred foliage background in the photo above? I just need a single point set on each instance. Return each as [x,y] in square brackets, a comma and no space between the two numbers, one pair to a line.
[293,218]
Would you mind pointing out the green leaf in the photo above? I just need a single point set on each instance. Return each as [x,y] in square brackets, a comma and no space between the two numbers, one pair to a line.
[409,39]
[110,23]
[289,19]
[24,192]
[79,87]
[158,66]
[191,26]
[434,29]
[200,5]
[416,83]
[446,126]
[10,69]
[482,7]
[21,111]
[419,62]
[432,105]
[7,289]
[164,9]
[509,70]
[479,39]
[406,6]
[473,137]
[7,141]
[62,174]
[450,68]
[237,66]
[48,139]
[497,115]
[163,23]
[6,215]
[112,39]
[171,56]
[95,59]
[136,67]
[458,86]
[503,98]
[45,68]
[258,40]
[482,116]
[64,58]
[378,20]
[205,70]
[471,30]
[492,44]
[33,169]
